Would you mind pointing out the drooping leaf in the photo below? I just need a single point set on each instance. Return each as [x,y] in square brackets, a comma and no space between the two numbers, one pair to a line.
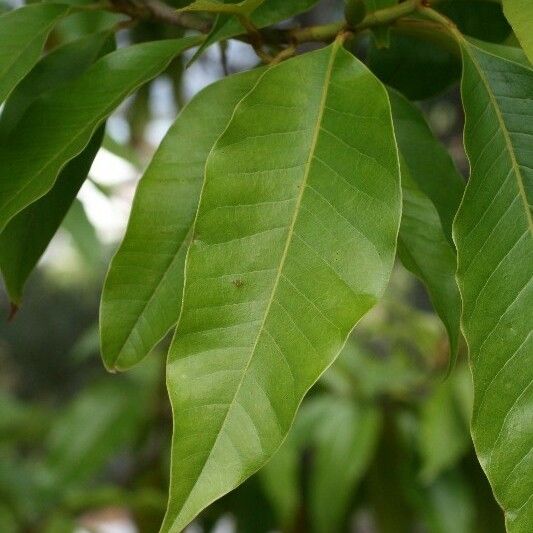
[344,444]
[27,235]
[287,255]
[86,102]
[425,251]
[432,190]
[430,165]
[142,292]
[23,33]
[493,233]
[520,14]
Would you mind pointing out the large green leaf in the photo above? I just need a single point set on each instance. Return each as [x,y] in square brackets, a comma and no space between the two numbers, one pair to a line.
[493,233]
[143,288]
[520,14]
[432,190]
[27,235]
[287,254]
[61,125]
[23,33]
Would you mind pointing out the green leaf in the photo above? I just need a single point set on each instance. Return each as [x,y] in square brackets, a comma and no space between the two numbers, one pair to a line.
[432,190]
[84,235]
[53,141]
[27,235]
[280,481]
[102,420]
[482,19]
[520,14]
[416,66]
[143,288]
[429,163]
[267,13]
[344,444]
[59,67]
[425,251]
[493,232]
[443,438]
[215,6]
[381,33]
[23,33]
[287,255]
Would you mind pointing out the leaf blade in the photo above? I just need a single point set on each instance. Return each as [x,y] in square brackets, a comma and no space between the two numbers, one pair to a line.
[495,216]
[149,242]
[23,33]
[519,13]
[101,89]
[237,303]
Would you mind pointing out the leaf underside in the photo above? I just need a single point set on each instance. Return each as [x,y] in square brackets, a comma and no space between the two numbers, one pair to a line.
[294,241]
[493,233]
[143,288]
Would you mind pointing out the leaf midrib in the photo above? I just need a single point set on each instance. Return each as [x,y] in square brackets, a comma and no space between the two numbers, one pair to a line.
[508,143]
[335,47]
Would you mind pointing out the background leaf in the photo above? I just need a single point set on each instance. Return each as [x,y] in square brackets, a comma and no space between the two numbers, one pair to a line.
[23,33]
[345,440]
[142,291]
[493,232]
[287,255]
[432,189]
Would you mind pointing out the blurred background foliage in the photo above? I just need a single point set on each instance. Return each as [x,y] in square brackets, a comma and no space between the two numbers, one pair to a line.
[381,443]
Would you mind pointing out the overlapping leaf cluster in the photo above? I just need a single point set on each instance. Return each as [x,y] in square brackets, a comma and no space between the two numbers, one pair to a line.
[269,219]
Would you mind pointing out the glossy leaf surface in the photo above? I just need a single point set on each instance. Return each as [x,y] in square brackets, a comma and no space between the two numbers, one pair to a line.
[493,232]
[27,235]
[520,14]
[23,33]
[53,141]
[287,255]
[142,292]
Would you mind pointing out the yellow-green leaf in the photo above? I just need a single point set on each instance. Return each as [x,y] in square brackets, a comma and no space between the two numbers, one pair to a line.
[287,255]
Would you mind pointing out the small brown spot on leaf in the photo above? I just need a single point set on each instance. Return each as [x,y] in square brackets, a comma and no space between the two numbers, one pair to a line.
[238,283]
